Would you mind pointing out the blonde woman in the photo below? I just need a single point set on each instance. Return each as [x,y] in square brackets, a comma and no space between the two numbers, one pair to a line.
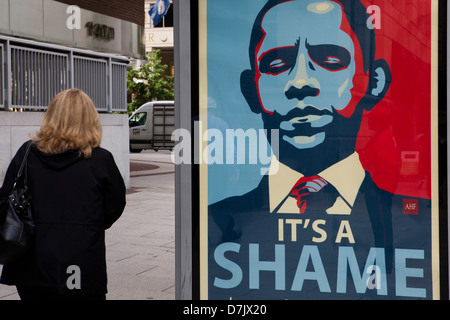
[77,192]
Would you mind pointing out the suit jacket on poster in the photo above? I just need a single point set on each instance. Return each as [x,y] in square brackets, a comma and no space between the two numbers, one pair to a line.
[255,254]
[73,201]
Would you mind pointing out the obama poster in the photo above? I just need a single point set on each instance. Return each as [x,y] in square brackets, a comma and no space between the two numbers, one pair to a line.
[318,166]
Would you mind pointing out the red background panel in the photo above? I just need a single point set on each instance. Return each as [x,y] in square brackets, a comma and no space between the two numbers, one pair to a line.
[395,137]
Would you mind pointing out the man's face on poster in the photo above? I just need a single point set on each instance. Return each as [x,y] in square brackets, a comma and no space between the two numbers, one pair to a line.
[305,71]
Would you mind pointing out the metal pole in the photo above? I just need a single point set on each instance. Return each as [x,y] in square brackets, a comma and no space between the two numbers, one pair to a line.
[70,70]
[183,174]
[448,142]
[109,102]
[8,75]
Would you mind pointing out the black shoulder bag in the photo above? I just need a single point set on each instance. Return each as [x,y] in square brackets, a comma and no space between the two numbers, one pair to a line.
[16,221]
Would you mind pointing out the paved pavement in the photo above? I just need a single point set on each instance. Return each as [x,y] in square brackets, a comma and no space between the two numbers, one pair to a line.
[140,246]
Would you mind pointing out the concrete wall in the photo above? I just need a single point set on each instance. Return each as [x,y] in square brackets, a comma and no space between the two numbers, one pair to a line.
[48,21]
[16,128]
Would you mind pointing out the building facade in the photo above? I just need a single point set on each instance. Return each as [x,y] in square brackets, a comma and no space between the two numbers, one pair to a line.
[47,46]
[160,36]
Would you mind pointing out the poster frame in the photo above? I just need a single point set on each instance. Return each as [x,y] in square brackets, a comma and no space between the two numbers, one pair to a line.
[190,243]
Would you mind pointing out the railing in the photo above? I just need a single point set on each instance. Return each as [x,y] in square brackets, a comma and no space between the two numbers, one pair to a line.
[90,75]
[36,76]
[32,73]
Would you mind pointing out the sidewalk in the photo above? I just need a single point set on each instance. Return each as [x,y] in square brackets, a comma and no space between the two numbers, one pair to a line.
[140,246]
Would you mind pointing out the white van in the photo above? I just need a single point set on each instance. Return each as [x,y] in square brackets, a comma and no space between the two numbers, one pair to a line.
[151,126]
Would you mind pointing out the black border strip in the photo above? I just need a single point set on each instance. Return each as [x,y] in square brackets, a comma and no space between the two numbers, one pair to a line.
[195,167]
[443,160]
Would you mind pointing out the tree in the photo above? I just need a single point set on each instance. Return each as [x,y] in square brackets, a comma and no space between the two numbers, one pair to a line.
[149,82]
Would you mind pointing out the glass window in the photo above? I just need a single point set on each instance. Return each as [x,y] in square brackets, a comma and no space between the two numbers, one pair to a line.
[139,119]
[167,20]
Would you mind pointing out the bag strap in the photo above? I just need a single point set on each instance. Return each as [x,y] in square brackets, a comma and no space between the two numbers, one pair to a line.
[24,164]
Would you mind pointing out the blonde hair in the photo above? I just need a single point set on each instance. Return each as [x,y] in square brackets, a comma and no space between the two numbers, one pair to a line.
[70,123]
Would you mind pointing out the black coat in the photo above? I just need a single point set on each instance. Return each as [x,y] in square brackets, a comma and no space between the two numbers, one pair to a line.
[74,200]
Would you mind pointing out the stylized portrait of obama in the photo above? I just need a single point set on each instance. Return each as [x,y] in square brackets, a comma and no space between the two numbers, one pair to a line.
[312,77]
[317,221]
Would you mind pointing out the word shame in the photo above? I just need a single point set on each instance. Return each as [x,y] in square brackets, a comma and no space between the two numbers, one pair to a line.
[373,276]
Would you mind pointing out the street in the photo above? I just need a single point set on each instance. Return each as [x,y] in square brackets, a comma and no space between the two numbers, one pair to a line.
[141,245]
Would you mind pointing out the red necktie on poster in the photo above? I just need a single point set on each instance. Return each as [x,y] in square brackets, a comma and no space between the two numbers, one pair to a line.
[304,187]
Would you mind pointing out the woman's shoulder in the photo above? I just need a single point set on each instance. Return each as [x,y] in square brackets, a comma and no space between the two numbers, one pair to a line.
[102,154]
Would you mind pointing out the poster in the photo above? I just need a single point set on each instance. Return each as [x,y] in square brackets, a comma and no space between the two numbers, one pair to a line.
[318,149]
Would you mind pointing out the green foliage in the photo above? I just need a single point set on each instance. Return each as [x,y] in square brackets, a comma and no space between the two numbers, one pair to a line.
[149,82]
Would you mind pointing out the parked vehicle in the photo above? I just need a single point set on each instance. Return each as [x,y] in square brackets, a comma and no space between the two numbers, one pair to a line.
[151,126]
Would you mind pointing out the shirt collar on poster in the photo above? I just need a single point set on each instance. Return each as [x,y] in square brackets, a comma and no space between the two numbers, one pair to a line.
[346,176]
